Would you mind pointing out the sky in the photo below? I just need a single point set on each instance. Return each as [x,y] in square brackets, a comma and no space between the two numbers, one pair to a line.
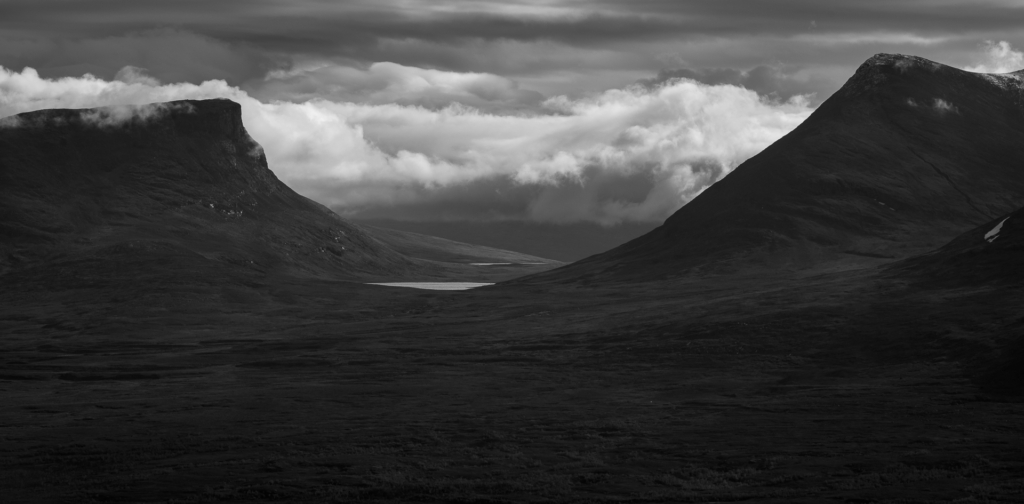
[554,111]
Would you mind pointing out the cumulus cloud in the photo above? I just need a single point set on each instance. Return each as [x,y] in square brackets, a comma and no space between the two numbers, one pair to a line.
[632,154]
[134,75]
[998,57]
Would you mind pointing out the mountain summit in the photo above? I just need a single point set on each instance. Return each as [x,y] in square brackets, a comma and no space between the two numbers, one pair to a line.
[906,155]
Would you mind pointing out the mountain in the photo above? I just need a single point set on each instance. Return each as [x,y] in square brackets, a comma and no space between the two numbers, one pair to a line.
[181,187]
[183,175]
[990,254]
[562,242]
[441,249]
[906,155]
[983,267]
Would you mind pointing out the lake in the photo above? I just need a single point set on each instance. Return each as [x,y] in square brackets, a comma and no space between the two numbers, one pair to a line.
[450,286]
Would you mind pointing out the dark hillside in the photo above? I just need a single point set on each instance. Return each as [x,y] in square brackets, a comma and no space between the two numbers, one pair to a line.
[908,154]
[181,176]
[987,259]
[992,253]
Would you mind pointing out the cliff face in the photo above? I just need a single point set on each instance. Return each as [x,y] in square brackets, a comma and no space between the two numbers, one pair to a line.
[181,175]
[907,155]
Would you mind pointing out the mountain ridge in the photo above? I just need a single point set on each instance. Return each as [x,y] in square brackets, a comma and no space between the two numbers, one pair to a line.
[184,172]
[906,155]
[183,182]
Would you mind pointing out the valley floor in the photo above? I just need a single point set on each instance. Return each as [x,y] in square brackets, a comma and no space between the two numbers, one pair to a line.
[848,387]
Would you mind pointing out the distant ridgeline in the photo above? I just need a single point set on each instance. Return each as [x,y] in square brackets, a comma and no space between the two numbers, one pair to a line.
[179,180]
[907,155]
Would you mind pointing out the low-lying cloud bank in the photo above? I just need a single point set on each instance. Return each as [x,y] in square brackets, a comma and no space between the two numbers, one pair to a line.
[394,141]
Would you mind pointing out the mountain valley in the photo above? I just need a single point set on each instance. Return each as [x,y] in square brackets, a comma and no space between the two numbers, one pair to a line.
[840,319]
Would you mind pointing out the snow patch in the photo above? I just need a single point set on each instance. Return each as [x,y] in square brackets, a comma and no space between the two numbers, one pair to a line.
[994,232]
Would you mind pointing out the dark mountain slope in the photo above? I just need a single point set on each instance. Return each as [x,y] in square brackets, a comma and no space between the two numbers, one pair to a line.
[181,180]
[986,259]
[908,154]
[990,254]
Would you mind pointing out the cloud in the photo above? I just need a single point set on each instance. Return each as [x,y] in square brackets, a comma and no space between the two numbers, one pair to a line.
[102,117]
[999,57]
[134,75]
[169,55]
[117,115]
[942,106]
[551,46]
[632,154]
[11,122]
[768,81]
[386,82]
[870,38]
[312,26]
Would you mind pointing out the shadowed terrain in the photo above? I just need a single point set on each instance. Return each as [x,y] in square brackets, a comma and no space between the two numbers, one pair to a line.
[907,154]
[564,242]
[185,180]
[792,370]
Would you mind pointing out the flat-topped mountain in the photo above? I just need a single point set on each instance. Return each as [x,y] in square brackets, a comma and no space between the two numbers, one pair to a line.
[182,183]
[905,156]
[183,175]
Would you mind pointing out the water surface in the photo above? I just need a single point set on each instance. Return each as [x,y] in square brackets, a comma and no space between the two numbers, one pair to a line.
[435,285]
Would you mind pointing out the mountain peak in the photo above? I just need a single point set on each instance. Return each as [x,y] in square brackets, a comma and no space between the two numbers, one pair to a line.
[885,69]
[908,154]
[878,71]
[899,61]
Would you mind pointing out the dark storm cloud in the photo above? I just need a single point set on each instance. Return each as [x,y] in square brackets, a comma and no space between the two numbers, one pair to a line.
[355,28]
[502,198]
[166,54]
[554,47]
[314,25]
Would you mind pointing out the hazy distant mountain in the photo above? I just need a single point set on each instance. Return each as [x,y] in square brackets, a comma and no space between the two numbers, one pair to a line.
[440,249]
[562,242]
[908,154]
[180,184]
